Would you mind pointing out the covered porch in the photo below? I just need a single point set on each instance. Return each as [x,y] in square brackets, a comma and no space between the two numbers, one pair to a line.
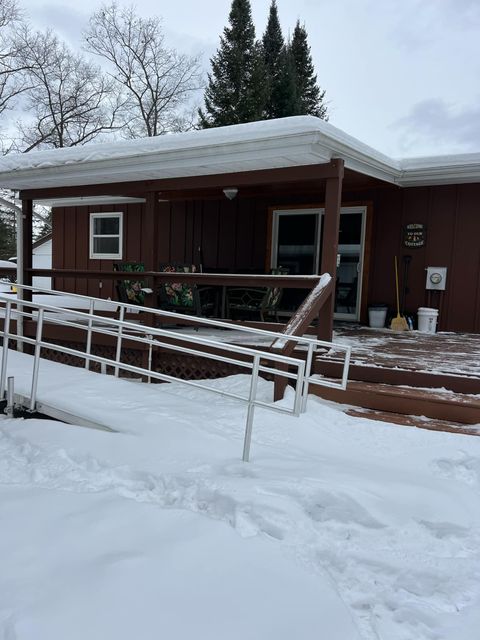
[190,222]
[267,206]
[250,206]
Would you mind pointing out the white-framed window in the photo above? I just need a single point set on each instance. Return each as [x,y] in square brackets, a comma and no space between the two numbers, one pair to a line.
[106,235]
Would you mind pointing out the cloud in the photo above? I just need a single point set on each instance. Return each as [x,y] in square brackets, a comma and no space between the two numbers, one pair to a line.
[418,25]
[435,126]
[67,22]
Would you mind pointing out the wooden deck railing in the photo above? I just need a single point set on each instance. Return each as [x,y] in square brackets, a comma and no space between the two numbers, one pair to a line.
[218,279]
[298,324]
[153,279]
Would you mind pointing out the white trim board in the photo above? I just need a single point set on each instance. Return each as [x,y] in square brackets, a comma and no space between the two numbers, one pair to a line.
[286,142]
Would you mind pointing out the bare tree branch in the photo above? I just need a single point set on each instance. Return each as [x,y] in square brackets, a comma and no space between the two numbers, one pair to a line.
[69,100]
[156,81]
[12,80]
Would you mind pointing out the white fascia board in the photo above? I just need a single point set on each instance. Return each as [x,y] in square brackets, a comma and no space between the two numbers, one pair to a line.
[358,156]
[357,160]
[438,170]
[240,156]
[300,140]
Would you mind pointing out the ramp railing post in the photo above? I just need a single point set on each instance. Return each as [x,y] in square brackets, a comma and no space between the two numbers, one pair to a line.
[88,348]
[299,388]
[118,352]
[251,409]
[9,409]
[150,357]
[36,359]
[6,339]
[308,373]
[346,366]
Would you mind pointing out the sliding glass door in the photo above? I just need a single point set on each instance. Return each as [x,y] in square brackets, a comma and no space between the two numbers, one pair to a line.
[296,246]
[349,264]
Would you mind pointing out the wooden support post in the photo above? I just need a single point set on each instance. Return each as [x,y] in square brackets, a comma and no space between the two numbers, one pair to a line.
[26,248]
[150,247]
[331,228]
[24,264]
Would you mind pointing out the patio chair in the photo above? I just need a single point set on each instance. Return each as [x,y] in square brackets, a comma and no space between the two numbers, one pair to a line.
[130,291]
[346,295]
[184,297]
[256,302]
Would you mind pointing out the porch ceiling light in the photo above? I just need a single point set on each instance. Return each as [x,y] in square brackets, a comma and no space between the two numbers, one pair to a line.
[230,192]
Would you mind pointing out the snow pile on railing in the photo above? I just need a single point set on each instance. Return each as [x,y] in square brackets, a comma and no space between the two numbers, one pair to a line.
[304,311]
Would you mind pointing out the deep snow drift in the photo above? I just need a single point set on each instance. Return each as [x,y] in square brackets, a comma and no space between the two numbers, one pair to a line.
[338,528]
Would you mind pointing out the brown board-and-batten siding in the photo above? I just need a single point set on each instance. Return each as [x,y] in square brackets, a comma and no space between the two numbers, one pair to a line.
[219,234]
[451,214]
[223,235]
[71,245]
[232,236]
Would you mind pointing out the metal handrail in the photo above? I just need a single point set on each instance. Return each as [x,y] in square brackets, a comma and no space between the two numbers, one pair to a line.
[312,343]
[255,365]
[221,324]
[297,369]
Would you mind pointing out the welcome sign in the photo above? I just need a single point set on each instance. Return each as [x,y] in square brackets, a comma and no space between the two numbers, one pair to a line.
[414,235]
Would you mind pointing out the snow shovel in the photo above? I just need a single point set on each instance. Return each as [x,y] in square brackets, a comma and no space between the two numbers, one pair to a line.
[399,323]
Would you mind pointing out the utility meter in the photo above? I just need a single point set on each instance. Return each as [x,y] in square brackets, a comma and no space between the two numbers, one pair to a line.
[436,278]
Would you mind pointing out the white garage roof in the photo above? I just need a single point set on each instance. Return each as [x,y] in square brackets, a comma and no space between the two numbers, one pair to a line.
[296,141]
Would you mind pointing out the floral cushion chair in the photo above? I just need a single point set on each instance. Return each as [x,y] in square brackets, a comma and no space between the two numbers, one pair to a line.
[130,291]
[184,297]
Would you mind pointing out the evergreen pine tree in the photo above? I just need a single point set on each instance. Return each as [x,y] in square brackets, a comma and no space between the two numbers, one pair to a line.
[232,93]
[287,98]
[258,92]
[311,97]
[8,247]
[273,45]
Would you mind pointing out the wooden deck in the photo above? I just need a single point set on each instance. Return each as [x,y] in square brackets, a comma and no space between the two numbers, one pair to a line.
[436,354]
[395,374]
[400,375]
[410,358]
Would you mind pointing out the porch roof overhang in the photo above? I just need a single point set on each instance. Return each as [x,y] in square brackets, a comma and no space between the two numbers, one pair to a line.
[275,144]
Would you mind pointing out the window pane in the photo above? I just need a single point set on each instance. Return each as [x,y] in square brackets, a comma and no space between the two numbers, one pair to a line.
[297,243]
[106,245]
[106,226]
[350,228]
[297,248]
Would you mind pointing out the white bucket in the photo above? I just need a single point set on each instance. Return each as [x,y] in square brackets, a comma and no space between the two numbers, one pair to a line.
[427,319]
[377,316]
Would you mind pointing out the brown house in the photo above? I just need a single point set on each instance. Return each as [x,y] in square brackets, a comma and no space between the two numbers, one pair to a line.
[248,198]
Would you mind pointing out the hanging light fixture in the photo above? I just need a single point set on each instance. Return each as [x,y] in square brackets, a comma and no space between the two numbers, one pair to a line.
[230,192]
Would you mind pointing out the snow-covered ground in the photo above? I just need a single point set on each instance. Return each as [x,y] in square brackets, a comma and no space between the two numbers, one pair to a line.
[339,528]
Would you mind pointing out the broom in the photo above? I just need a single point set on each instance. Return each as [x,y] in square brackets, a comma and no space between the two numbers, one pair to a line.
[399,323]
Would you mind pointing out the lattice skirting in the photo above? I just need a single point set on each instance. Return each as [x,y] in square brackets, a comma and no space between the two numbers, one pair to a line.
[190,367]
[129,356]
[170,363]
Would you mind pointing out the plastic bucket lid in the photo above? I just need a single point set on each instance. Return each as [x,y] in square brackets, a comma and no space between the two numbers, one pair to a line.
[427,311]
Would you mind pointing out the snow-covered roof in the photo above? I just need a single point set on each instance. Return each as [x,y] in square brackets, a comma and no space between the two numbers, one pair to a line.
[296,141]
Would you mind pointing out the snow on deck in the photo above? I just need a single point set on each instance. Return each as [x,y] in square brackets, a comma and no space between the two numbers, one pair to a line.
[440,353]
[339,528]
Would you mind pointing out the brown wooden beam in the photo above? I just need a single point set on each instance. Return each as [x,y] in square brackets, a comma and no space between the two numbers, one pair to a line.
[281,175]
[27,242]
[149,246]
[331,228]
[298,325]
[149,239]
[216,279]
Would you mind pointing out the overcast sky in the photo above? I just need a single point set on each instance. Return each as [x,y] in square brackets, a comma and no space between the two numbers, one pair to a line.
[400,75]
